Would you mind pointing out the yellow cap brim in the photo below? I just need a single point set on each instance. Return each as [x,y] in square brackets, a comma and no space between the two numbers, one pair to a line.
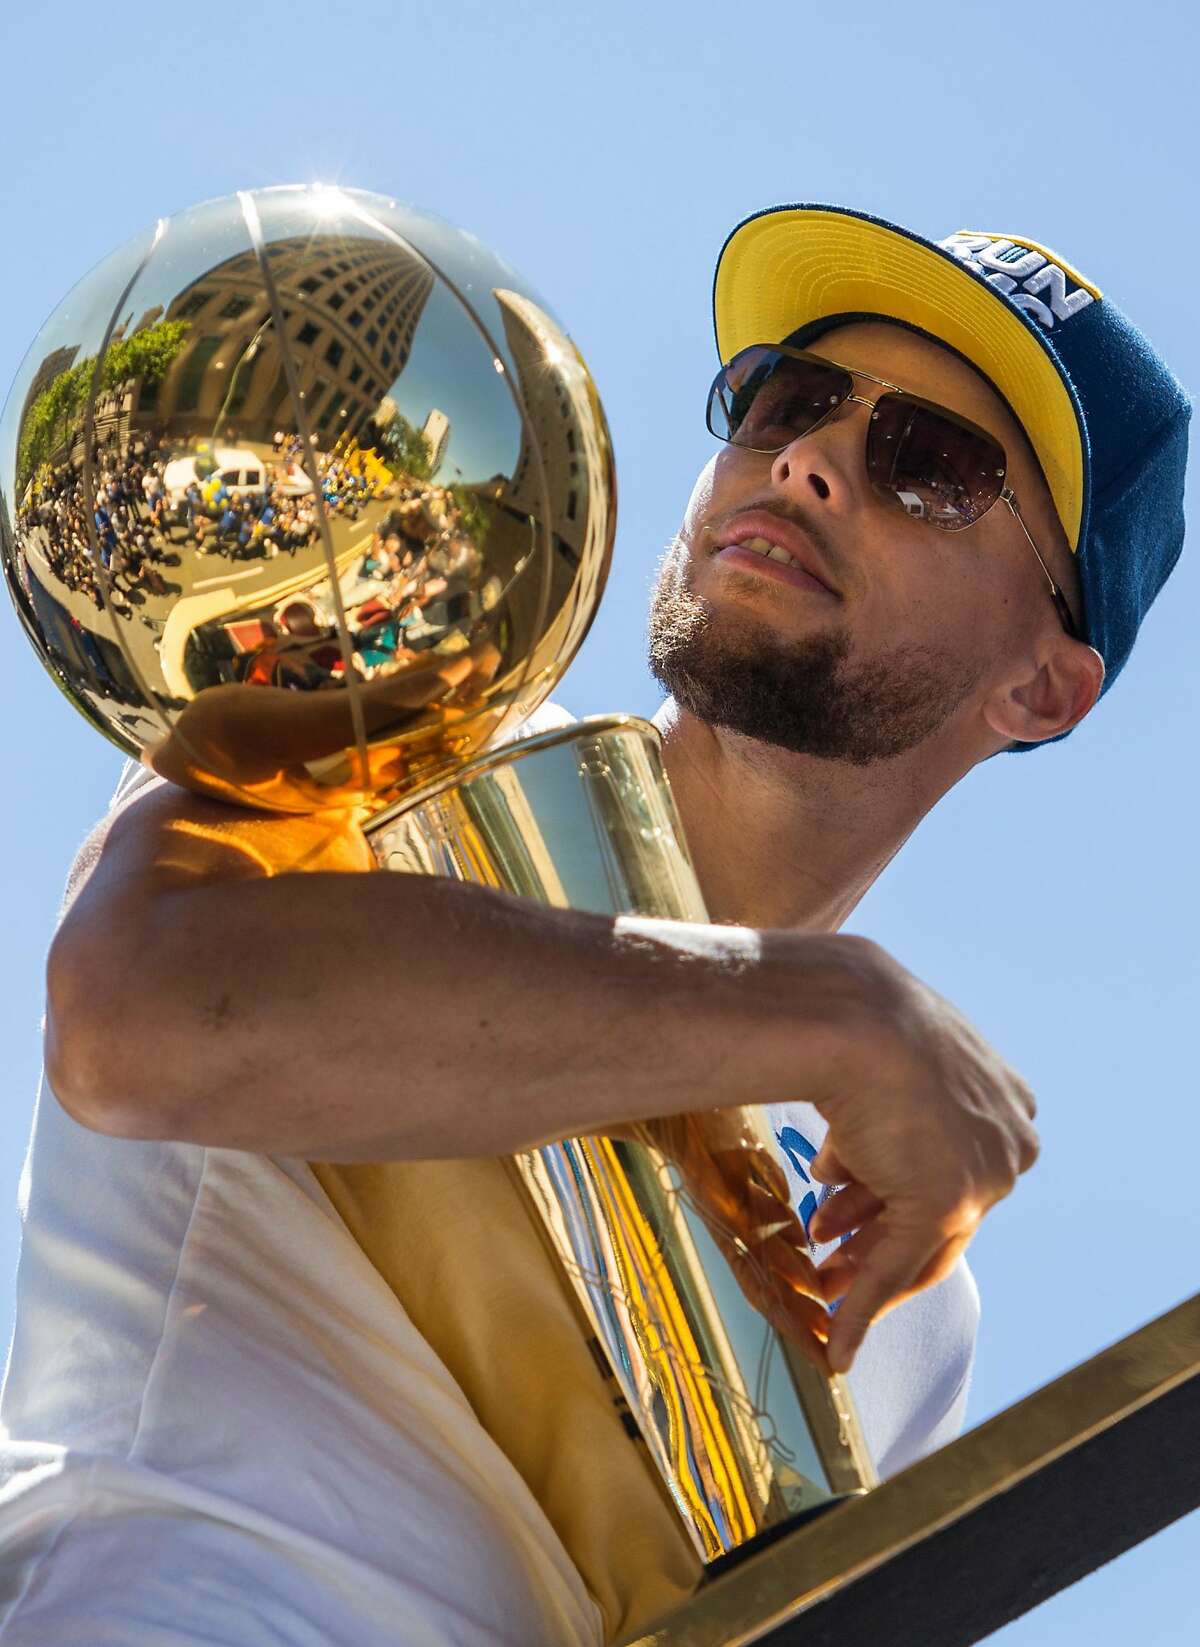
[786,268]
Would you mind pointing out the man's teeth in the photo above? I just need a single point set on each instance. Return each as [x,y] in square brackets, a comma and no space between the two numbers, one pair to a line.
[772,551]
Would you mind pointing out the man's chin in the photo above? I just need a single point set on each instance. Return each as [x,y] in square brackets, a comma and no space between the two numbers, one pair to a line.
[801,693]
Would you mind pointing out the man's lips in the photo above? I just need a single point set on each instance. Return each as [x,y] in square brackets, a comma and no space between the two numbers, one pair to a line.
[747,542]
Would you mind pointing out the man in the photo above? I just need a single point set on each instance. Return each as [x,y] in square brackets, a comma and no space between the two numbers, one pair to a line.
[257,1401]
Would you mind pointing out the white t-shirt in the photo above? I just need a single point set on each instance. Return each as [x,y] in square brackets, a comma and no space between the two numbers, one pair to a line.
[220,1426]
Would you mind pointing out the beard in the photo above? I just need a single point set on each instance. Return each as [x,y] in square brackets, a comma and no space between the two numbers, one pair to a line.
[805,695]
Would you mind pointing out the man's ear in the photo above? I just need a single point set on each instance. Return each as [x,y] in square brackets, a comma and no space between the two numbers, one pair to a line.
[1054,694]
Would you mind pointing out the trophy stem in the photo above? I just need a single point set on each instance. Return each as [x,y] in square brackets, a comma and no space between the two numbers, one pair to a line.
[746,1434]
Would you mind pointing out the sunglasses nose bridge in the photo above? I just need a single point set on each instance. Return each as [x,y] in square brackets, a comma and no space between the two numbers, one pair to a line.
[838,412]
[834,413]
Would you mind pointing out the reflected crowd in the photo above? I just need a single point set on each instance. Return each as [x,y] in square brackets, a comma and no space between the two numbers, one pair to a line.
[426,567]
[416,585]
[130,518]
[146,511]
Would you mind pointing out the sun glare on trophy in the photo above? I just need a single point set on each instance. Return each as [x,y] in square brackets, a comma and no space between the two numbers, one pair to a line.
[305,498]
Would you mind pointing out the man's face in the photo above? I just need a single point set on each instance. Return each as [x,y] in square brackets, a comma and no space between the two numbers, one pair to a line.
[891,630]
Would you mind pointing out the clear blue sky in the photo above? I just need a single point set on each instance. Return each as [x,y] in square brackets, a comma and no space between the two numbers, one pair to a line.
[605,151]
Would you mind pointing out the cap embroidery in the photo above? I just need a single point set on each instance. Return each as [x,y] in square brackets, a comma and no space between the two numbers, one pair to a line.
[1021,273]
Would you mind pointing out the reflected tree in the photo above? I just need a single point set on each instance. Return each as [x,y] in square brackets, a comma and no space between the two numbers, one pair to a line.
[407,449]
[54,418]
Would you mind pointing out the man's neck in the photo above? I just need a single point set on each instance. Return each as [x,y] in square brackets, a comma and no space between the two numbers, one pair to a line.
[783,840]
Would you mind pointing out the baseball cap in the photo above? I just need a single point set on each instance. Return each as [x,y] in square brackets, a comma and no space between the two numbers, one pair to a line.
[1105,417]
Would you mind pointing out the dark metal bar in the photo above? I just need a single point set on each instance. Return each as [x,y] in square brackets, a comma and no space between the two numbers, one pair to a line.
[988,1527]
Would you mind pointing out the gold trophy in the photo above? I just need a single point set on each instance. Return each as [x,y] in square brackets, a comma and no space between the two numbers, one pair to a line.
[307,502]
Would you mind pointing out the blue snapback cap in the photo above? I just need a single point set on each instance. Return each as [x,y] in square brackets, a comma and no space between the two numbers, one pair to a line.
[1105,417]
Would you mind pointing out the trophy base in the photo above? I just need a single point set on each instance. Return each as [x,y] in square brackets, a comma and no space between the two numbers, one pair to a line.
[770,1535]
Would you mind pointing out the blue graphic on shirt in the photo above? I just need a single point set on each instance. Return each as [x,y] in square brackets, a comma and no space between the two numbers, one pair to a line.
[798,1150]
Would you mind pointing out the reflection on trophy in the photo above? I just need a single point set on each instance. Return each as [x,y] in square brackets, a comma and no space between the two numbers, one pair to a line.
[307,502]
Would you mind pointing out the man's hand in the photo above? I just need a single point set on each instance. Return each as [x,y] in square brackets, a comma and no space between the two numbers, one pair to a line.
[731,1179]
[928,1128]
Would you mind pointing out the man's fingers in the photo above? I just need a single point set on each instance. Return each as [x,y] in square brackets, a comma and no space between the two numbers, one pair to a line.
[753,1172]
[942,1262]
[801,1320]
[783,1286]
[809,1337]
[888,1269]
[840,1270]
[1026,1099]
[780,1265]
[827,1168]
[796,1272]
[836,1275]
[848,1210]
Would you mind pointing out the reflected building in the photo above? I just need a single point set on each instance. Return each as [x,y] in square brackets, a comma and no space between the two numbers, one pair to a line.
[7,542]
[15,571]
[564,428]
[55,364]
[351,309]
[436,430]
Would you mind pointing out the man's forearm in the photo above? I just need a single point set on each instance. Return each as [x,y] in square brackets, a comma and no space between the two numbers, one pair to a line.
[388,1016]
[194,995]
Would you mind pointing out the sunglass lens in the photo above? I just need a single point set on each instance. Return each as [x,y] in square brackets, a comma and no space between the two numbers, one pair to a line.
[938,469]
[764,399]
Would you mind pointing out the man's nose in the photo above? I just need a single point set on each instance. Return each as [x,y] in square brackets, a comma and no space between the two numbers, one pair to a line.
[826,465]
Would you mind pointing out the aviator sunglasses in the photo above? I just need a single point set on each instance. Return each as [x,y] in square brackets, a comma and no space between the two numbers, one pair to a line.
[935,465]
